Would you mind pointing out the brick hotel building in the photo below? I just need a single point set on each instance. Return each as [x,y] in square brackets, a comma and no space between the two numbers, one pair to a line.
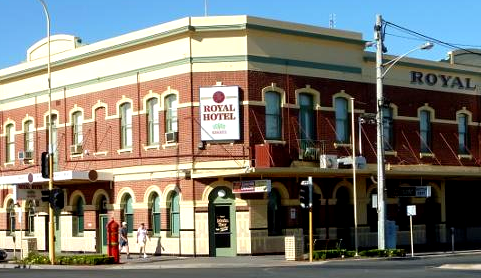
[203,128]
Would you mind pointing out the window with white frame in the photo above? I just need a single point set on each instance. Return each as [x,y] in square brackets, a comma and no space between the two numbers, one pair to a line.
[425,130]
[342,120]
[174,214]
[30,207]
[11,220]
[171,113]
[77,119]
[28,138]
[10,143]
[463,134]
[273,116]
[155,213]
[126,125]
[153,121]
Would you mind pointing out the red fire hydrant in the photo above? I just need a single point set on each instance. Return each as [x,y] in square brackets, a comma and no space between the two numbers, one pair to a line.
[113,240]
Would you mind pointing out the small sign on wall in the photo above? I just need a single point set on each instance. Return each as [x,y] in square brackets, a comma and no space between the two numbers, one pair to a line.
[293,213]
[411,210]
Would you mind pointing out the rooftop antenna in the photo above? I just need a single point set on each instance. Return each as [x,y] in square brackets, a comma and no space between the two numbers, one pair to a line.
[205,7]
[332,21]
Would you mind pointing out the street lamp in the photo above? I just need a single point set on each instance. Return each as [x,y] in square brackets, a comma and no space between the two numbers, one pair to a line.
[51,244]
[380,73]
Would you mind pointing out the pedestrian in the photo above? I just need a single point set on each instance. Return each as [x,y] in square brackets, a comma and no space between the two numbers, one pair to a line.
[124,240]
[142,239]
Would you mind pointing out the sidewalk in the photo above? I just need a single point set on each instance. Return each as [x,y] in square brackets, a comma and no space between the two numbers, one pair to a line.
[172,262]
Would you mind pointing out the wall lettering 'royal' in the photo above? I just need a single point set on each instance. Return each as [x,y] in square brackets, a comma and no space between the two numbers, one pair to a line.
[446,81]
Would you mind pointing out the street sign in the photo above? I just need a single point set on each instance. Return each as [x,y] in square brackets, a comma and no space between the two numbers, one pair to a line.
[411,210]
[410,191]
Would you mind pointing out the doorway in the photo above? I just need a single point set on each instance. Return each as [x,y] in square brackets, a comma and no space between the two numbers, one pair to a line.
[222,223]
[102,242]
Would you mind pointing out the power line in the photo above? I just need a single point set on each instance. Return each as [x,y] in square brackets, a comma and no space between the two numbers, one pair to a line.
[419,35]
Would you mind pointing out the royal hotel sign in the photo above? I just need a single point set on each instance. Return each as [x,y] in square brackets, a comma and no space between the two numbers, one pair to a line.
[219,113]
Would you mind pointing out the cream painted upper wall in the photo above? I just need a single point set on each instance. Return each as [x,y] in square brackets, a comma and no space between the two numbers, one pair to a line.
[304,49]
[222,40]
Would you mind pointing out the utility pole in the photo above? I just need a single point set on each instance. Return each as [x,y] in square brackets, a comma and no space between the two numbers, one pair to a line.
[381,207]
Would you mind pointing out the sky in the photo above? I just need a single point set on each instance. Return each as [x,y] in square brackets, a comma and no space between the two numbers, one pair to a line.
[22,22]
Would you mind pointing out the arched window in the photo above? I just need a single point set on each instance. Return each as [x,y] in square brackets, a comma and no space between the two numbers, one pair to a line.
[10,143]
[463,134]
[155,213]
[30,229]
[78,219]
[28,136]
[274,213]
[342,123]
[388,131]
[128,212]
[54,142]
[153,121]
[307,120]
[171,125]
[11,220]
[425,130]
[77,120]
[126,125]
[174,214]
[273,116]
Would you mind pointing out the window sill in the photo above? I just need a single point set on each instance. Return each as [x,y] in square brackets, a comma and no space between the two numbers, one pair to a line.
[104,153]
[342,145]
[9,164]
[81,155]
[151,147]
[465,156]
[421,155]
[390,153]
[129,150]
[170,145]
[273,142]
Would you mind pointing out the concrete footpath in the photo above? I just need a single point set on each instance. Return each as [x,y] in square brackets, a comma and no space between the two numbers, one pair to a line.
[172,262]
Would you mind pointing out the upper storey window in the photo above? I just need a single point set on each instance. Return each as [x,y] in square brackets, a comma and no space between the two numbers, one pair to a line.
[425,130]
[306,117]
[388,131]
[171,124]
[463,133]
[77,118]
[10,147]
[153,121]
[28,136]
[126,125]
[273,116]
[342,123]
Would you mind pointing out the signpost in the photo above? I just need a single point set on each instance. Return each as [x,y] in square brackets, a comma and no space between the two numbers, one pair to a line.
[410,191]
[411,210]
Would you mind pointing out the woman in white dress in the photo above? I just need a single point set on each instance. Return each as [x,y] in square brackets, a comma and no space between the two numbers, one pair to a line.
[142,239]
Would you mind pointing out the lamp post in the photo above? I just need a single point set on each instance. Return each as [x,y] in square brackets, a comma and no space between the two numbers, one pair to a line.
[51,244]
[380,73]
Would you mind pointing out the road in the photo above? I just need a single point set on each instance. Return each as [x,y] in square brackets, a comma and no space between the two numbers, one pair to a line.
[397,268]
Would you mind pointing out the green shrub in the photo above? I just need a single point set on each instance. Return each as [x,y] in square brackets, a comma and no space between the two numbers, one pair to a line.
[85,260]
[383,253]
[330,254]
[35,258]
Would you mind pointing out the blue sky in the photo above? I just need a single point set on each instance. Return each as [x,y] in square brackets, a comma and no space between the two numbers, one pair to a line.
[22,22]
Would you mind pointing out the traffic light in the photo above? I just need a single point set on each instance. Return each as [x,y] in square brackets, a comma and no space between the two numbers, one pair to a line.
[46,196]
[56,199]
[45,165]
[304,195]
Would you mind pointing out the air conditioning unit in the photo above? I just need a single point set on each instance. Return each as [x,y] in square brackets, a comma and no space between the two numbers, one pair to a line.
[311,154]
[171,137]
[76,149]
[328,161]
[28,155]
